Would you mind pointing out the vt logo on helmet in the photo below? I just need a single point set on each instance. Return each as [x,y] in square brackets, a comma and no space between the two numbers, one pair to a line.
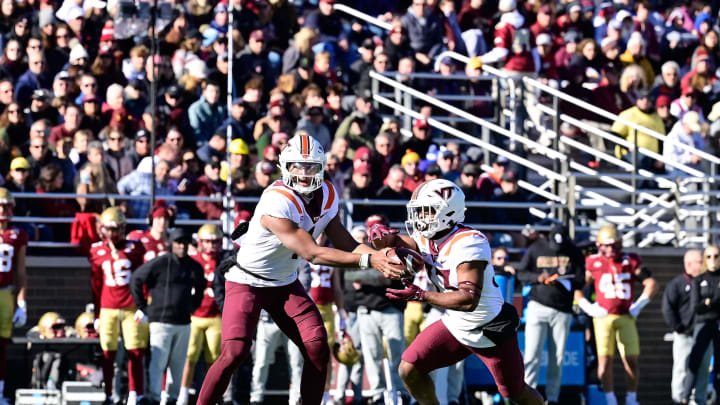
[436,205]
[302,163]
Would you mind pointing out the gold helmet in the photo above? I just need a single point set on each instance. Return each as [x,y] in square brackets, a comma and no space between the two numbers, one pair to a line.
[346,352]
[51,325]
[607,235]
[85,326]
[112,217]
[210,232]
[6,196]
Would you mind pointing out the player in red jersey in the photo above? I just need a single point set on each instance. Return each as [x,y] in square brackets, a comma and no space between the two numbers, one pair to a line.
[13,280]
[153,239]
[205,323]
[614,274]
[112,262]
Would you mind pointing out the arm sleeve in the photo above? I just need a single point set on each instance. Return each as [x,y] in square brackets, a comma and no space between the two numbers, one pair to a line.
[526,270]
[669,306]
[138,279]
[578,269]
[495,55]
[96,283]
[695,304]
[200,284]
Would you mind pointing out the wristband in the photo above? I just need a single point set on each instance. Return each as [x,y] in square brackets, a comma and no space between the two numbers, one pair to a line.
[364,261]
[21,304]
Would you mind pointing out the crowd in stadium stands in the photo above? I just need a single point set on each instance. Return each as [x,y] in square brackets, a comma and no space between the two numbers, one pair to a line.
[75,113]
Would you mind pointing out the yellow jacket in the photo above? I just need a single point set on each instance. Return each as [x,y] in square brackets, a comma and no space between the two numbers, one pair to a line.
[651,121]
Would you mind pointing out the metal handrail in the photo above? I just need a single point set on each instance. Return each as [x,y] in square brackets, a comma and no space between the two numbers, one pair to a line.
[365,17]
[426,75]
[614,117]
[628,145]
[492,148]
[462,113]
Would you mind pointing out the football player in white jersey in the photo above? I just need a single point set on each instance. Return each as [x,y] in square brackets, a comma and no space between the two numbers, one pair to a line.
[290,215]
[477,320]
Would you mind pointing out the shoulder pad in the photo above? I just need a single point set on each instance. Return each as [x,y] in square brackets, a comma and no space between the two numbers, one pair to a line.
[97,244]
[500,25]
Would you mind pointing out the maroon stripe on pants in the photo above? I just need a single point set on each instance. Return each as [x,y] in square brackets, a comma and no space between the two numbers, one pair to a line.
[435,347]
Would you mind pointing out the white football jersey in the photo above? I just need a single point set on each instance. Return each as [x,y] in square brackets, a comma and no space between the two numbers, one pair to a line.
[262,253]
[463,245]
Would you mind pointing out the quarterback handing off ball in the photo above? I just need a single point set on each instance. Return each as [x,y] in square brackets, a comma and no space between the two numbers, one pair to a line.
[412,260]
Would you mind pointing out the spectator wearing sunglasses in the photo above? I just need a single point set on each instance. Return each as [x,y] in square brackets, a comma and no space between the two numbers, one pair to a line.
[504,273]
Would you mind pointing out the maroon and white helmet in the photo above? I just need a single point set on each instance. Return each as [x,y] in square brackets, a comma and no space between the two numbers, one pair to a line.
[436,205]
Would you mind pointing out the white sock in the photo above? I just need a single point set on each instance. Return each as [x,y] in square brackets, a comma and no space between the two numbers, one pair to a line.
[631,396]
[132,398]
[610,398]
[183,396]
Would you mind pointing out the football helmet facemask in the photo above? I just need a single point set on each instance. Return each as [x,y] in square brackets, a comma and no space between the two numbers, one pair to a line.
[304,154]
[8,201]
[51,325]
[209,232]
[345,351]
[608,241]
[112,224]
[435,206]
[85,326]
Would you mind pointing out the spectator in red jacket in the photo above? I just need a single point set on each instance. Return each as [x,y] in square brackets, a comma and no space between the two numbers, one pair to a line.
[210,185]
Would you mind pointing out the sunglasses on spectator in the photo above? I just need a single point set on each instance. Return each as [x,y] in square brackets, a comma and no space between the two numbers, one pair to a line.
[21,170]
[502,257]
[116,138]
[13,111]
[715,256]
[38,146]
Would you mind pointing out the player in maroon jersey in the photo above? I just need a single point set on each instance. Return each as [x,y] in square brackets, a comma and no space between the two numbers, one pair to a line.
[112,262]
[153,239]
[13,280]
[205,323]
[614,273]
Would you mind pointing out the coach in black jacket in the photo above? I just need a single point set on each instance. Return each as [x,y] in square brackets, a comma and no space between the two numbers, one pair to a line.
[554,267]
[705,301]
[680,316]
[176,283]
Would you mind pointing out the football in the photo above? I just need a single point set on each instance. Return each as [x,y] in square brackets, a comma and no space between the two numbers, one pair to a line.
[412,260]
